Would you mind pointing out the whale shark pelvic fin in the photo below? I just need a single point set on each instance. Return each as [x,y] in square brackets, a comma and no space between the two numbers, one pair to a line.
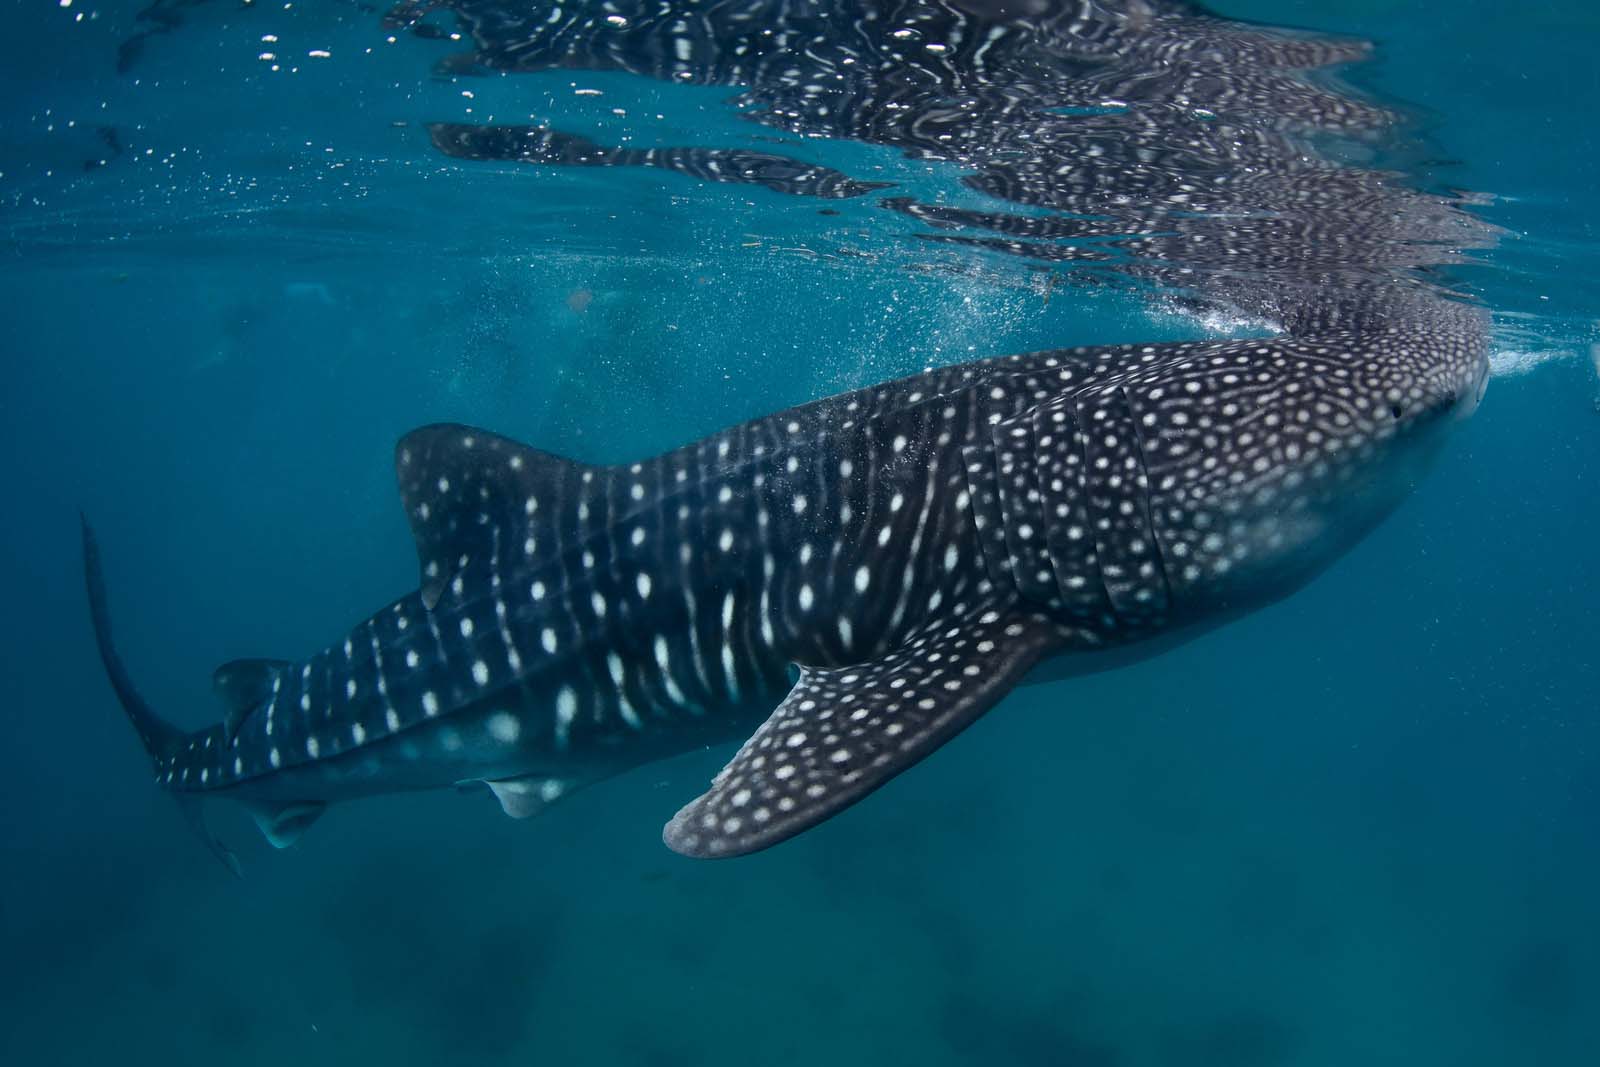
[842,732]
[283,826]
[528,795]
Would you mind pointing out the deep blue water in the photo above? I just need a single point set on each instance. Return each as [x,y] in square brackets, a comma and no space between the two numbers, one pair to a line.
[1359,826]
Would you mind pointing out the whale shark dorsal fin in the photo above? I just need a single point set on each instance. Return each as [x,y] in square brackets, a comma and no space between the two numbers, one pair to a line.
[244,685]
[471,494]
[842,732]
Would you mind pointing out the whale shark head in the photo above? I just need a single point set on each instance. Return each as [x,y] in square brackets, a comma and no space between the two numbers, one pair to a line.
[1259,480]
[1224,473]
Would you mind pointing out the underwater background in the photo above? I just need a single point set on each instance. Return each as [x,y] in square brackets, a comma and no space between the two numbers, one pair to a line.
[1361,826]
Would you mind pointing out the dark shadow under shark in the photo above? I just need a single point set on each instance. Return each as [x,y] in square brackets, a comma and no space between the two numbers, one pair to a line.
[915,549]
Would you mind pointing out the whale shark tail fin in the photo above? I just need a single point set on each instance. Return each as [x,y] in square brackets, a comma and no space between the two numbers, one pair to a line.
[160,738]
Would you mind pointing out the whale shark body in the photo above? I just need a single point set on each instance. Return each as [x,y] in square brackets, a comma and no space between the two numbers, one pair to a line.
[849,583]
[911,549]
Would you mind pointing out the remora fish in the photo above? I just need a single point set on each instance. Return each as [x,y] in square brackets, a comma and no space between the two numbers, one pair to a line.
[913,548]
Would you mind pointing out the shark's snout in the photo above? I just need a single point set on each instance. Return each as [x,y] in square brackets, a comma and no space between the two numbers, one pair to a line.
[1473,396]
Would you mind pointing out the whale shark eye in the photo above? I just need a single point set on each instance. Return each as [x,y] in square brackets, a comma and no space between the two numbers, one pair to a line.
[1396,410]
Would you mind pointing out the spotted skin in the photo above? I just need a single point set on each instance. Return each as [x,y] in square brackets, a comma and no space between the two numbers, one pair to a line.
[939,534]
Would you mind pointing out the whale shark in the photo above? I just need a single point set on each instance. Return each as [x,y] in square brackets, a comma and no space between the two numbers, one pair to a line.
[850,582]
[846,585]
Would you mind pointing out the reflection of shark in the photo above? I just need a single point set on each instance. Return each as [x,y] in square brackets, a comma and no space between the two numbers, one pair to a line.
[913,548]
[531,144]
[1146,139]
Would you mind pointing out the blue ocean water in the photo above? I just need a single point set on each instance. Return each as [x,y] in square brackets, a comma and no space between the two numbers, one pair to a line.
[1358,826]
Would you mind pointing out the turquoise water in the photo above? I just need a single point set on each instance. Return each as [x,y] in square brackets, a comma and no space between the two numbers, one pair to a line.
[1355,827]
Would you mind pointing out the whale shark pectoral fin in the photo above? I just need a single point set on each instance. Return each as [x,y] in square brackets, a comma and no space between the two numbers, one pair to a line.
[283,827]
[474,495]
[244,685]
[841,733]
[524,797]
